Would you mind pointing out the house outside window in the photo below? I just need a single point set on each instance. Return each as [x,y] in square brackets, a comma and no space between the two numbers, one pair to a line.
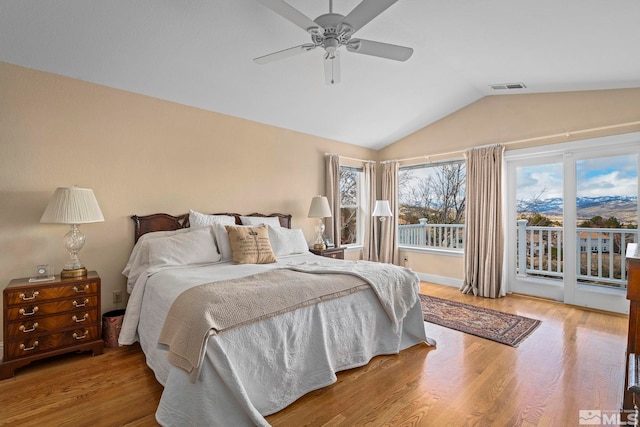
[351,206]
[431,200]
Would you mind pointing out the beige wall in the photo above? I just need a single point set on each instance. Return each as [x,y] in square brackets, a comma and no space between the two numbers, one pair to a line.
[501,119]
[140,155]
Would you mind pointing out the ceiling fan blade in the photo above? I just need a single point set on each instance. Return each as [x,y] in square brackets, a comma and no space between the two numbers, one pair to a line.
[365,12]
[332,68]
[290,13]
[382,50]
[283,53]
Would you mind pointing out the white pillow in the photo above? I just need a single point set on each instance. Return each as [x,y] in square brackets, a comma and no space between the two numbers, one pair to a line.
[222,240]
[271,221]
[139,259]
[193,248]
[286,241]
[197,219]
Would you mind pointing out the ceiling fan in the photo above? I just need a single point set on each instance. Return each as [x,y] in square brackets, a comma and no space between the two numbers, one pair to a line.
[332,30]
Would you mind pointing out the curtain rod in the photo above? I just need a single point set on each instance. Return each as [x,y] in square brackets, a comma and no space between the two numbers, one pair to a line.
[567,134]
[350,158]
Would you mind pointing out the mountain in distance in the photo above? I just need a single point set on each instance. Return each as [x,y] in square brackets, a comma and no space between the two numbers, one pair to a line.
[624,208]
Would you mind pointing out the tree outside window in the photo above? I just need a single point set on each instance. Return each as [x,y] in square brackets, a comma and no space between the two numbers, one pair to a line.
[350,205]
[433,196]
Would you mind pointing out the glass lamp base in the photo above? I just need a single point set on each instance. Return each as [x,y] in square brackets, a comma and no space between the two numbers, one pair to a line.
[73,241]
[319,243]
[77,272]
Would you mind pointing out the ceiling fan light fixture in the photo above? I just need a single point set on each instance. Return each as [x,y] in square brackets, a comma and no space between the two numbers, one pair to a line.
[331,44]
[332,30]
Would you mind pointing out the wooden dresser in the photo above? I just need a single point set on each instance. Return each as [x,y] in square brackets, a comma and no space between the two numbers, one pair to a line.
[633,337]
[49,318]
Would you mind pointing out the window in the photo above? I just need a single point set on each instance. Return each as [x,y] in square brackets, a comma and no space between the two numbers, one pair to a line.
[431,202]
[351,205]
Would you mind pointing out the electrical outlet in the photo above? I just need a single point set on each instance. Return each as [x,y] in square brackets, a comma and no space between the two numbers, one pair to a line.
[117,297]
[405,260]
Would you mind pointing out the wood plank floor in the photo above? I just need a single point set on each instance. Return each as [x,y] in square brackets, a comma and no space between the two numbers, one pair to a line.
[573,361]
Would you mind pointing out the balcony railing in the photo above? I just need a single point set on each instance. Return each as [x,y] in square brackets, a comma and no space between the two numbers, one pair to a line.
[600,252]
[540,251]
[441,236]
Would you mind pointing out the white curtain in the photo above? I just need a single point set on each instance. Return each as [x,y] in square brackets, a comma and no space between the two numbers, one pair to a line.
[484,232]
[370,243]
[332,186]
[389,230]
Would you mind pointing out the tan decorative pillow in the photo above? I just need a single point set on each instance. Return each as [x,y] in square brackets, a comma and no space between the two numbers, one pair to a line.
[250,245]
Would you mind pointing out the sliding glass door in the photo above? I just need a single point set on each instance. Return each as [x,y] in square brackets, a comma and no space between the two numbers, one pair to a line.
[571,210]
[535,225]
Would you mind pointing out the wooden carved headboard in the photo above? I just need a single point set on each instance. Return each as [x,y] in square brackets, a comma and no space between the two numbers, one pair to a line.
[165,222]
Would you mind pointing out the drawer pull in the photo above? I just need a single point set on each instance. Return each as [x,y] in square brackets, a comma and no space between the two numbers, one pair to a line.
[33,328]
[33,347]
[334,255]
[31,313]
[81,337]
[82,304]
[33,296]
[81,290]
[80,320]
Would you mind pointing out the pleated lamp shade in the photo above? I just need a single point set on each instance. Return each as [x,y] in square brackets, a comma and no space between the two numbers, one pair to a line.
[319,208]
[72,205]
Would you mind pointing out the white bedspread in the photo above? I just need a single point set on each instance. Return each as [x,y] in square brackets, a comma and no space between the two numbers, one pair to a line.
[259,369]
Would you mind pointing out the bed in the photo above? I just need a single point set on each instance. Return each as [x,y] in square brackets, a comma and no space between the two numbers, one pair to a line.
[249,369]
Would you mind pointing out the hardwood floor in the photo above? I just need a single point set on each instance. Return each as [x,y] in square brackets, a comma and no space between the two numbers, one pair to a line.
[573,361]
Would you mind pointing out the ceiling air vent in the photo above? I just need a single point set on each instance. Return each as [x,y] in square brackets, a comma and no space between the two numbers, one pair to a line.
[508,86]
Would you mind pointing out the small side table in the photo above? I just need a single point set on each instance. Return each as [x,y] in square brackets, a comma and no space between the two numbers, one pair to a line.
[336,253]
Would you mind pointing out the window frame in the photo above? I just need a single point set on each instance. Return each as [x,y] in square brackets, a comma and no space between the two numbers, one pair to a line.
[440,250]
[360,206]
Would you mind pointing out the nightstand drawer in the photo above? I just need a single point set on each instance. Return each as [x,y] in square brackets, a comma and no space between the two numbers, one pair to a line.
[29,347]
[335,253]
[36,293]
[29,311]
[38,326]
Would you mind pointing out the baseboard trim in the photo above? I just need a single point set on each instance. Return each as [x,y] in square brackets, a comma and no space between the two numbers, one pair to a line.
[440,280]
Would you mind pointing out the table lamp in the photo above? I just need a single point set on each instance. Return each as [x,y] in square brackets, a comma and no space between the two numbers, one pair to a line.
[73,206]
[319,209]
[382,209]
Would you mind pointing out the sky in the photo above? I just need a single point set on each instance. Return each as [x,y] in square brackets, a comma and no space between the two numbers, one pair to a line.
[609,176]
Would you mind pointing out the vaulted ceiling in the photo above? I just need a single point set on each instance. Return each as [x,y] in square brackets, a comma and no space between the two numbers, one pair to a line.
[199,53]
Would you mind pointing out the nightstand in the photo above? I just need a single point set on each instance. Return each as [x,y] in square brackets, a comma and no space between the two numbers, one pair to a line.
[46,319]
[337,253]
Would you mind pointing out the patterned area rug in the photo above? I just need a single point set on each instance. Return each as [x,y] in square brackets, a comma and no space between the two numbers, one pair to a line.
[505,328]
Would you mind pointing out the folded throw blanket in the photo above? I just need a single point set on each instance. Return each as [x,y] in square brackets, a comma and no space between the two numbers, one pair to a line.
[396,287]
